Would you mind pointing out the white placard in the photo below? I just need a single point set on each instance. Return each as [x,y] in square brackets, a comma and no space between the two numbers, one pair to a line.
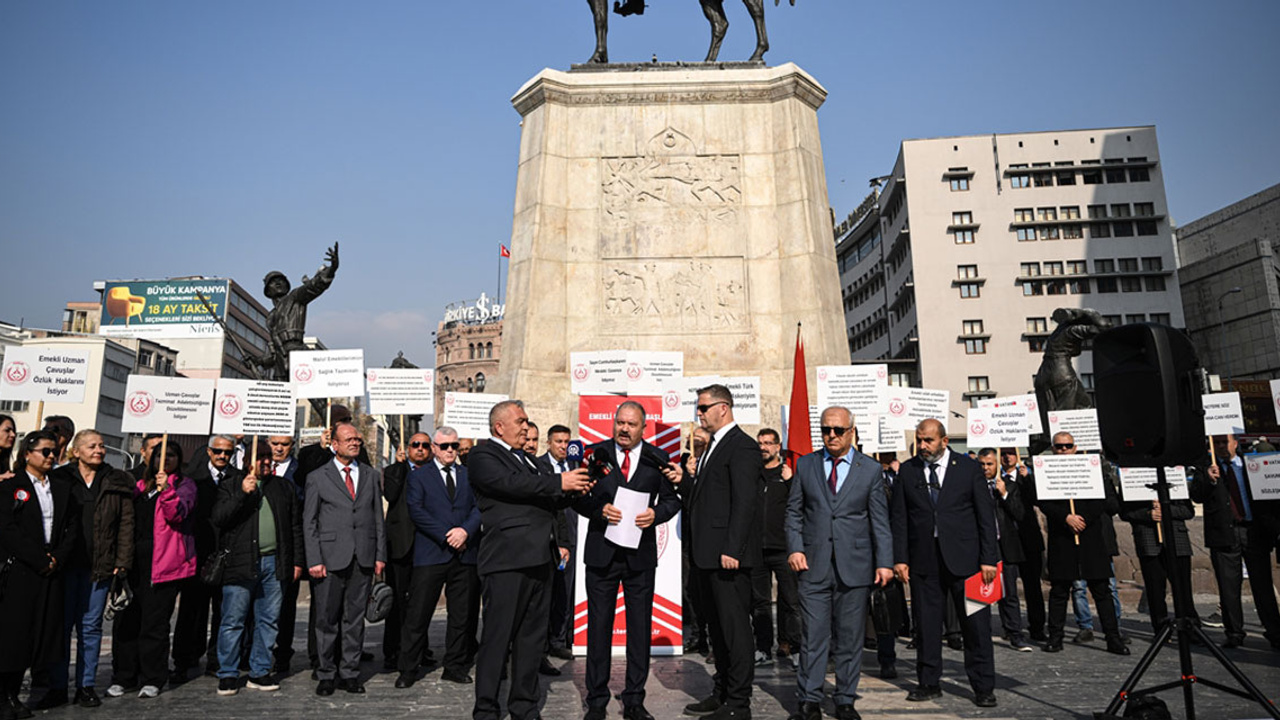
[327,373]
[1275,399]
[1222,414]
[1069,477]
[1264,475]
[1026,403]
[625,533]
[868,425]
[997,427]
[906,406]
[1082,424]
[680,398]
[860,388]
[891,438]
[157,404]
[254,407]
[401,391]
[468,413]
[598,373]
[648,373]
[49,373]
[746,398]
[1134,482]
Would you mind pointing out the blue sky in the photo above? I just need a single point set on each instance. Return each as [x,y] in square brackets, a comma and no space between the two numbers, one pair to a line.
[156,139]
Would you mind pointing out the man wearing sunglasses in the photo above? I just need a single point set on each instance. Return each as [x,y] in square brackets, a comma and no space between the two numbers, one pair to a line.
[400,534]
[840,544]
[724,525]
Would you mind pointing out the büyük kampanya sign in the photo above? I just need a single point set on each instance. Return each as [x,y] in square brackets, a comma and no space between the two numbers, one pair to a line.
[164,308]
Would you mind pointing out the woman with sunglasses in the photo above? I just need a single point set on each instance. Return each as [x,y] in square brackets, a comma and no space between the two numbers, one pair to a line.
[164,554]
[8,438]
[37,537]
[103,497]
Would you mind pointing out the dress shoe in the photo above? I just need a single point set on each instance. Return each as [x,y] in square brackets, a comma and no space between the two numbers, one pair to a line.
[454,676]
[1038,636]
[596,713]
[1053,646]
[728,713]
[405,681]
[562,653]
[1116,646]
[354,686]
[51,699]
[703,707]
[546,668]
[636,712]
[1233,641]
[1084,636]
[1020,645]
[16,709]
[87,698]
[808,710]
[178,676]
[324,688]
[986,700]
[924,692]
[888,671]
[711,657]
[846,712]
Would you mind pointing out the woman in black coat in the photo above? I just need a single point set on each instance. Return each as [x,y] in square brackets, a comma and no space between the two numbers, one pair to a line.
[37,537]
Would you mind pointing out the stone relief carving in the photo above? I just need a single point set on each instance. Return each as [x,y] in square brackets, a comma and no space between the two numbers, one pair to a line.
[670,175]
[657,295]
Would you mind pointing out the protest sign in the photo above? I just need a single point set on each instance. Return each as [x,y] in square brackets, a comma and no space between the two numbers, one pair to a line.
[746,398]
[44,373]
[1264,475]
[907,406]
[327,373]
[1134,482]
[598,373]
[468,413]
[1275,399]
[1082,424]
[1069,477]
[254,407]
[860,388]
[1222,414]
[647,373]
[680,397]
[1025,403]
[997,427]
[158,404]
[401,391]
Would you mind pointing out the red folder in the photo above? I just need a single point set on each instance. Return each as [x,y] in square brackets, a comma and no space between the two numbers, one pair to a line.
[978,595]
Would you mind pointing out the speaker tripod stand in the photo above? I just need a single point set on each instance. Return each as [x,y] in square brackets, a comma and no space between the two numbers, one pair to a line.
[1186,629]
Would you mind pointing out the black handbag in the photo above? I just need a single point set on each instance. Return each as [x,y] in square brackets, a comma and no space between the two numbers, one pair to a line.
[215,568]
[886,608]
[119,596]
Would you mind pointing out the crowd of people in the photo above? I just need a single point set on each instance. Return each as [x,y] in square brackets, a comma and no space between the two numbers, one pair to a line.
[844,538]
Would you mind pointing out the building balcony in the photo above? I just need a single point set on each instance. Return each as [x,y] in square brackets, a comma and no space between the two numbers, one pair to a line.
[1070,168]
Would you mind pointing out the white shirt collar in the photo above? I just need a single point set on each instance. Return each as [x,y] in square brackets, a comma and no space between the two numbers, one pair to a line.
[439,465]
[501,442]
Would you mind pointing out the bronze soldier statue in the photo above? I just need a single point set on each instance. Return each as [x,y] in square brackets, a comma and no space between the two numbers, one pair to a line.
[287,321]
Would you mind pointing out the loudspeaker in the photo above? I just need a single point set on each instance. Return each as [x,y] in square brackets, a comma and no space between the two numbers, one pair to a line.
[1150,411]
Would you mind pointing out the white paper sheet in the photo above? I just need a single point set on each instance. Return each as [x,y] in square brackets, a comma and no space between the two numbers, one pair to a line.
[625,533]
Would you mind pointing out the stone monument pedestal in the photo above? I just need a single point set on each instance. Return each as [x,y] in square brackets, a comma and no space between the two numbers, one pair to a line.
[674,208]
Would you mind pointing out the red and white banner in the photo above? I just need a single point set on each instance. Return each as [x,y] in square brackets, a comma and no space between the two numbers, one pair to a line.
[595,424]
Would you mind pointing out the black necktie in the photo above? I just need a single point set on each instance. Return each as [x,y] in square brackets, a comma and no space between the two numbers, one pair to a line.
[934,487]
[219,477]
[449,485]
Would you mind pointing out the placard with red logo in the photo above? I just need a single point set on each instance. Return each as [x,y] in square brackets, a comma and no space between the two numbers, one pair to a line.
[327,373]
[254,407]
[907,406]
[1069,477]
[180,406]
[1264,475]
[595,423]
[860,388]
[979,595]
[401,391]
[46,373]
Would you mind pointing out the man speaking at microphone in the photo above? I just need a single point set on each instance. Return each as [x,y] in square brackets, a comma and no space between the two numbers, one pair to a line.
[638,467]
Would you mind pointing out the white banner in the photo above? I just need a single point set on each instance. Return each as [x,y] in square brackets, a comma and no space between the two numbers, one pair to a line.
[892,439]
[1222,414]
[327,373]
[680,398]
[1082,424]
[1026,403]
[401,391]
[254,407]
[860,388]
[746,398]
[1134,482]
[648,373]
[1264,476]
[1275,399]
[997,427]
[907,406]
[598,373]
[468,413]
[1069,477]
[155,404]
[49,373]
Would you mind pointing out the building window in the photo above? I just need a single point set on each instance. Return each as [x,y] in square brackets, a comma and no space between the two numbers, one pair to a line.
[1077,267]
[976,346]
[1091,176]
[1099,230]
[1019,179]
[1047,214]
[1147,227]
[963,237]
[1115,175]
[1049,232]
[471,351]
[1135,318]
[972,327]
[1130,284]
[110,406]
[479,382]
[970,290]
[1103,267]
[1120,210]
[1097,212]
[471,385]
[964,272]
[979,383]
[1030,269]
[1111,321]
[488,350]
[1144,209]
[1037,325]
[1086,379]
[1026,234]
[1128,265]
[1161,318]
[959,184]
[144,358]
[1108,285]
[962,218]
[1024,215]
[1056,287]
[1053,267]
[1066,177]
[1154,284]
[1036,344]
[1071,212]
[115,371]
[900,379]
[1152,264]
[1032,287]
[1044,179]
[1139,174]
[1072,231]
[14,406]
[1078,287]
[1122,229]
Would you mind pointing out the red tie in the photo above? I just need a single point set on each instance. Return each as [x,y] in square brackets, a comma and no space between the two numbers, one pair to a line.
[835,463]
[351,487]
[626,467]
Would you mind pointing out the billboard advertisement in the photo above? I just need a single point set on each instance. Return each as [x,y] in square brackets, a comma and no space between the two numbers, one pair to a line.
[163,308]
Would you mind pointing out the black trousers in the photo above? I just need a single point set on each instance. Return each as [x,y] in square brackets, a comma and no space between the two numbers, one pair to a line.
[1060,593]
[775,566]
[198,605]
[461,587]
[399,574]
[1010,612]
[1228,564]
[140,635]
[560,627]
[1030,571]
[1155,578]
[516,607]
[1258,559]
[929,593]
[728,604]
[602,602]
[287,624]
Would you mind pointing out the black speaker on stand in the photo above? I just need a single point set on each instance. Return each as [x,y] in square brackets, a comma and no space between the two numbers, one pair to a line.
[1146,381]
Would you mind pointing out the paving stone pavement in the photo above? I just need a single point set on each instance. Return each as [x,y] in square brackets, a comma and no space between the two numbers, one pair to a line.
[1072,684]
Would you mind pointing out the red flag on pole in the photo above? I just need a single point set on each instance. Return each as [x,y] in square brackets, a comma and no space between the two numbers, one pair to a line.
[503,251]
[799,434]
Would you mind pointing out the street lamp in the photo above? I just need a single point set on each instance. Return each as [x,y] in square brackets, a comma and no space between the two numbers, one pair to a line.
[1222,332]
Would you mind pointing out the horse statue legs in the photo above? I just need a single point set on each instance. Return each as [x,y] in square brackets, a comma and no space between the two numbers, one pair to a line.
[600,13]
[714,10]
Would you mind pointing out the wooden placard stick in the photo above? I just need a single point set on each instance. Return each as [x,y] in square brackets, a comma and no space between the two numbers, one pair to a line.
[401,433]
[164,455]
[1072,501]
[253,457]
[39,414]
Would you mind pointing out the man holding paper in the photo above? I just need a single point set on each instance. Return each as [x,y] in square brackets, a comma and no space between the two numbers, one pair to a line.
[623,510]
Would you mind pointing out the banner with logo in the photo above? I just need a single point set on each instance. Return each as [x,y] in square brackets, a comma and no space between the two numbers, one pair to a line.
[1264,475]
[468,413]
[598,373]
[997,427]
[157,404]
[647,373]
[1275,399]
[860,388]
[48,373]
[401,391]
[254,407]
[595,424]
[1134,482]
[327,373]
[680,397]
[906,406]
[164,308]
[1025,403]
[1069,477]
[1082,424]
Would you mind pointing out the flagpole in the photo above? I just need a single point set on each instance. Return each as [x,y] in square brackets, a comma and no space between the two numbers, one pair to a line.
[498,292]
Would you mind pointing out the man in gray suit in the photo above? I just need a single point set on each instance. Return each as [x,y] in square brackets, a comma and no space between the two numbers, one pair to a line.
[346,545]
[840,542]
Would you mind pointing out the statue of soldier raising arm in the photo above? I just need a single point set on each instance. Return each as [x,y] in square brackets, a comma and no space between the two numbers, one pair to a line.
[287,321]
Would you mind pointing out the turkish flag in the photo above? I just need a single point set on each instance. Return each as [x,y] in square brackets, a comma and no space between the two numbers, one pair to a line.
[503,251]
[799,438]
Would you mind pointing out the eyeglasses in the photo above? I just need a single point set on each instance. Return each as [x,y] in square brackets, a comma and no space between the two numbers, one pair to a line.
[1063,446]
[419,444]
[829,430]
[449,446]
[704,408]
[219,451]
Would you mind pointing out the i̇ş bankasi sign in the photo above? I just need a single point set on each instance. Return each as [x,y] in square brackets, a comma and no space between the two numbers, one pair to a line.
[483,310]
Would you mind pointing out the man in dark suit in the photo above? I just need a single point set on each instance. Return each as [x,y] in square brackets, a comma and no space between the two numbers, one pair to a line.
[285,465]
[346,543]
[695,619]
[1014,473]
[560,627]
[518,507]
[1008,506]
[724,525]
[640,467]
[840,543]
[944,531]
[400,534]
[446,520]
[1144,518]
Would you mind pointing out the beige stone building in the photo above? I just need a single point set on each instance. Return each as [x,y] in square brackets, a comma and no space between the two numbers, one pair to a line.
[952,269]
